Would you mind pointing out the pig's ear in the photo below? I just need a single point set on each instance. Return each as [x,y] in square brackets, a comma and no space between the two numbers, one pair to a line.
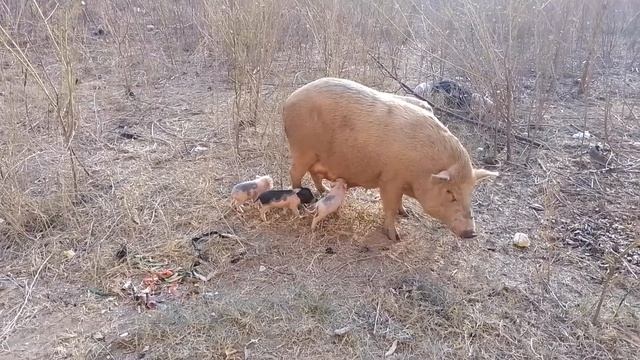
[480,174]
[444,175]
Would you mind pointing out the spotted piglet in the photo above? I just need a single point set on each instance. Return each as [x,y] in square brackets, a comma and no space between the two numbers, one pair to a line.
[250,190]
[285,199]
[331,202]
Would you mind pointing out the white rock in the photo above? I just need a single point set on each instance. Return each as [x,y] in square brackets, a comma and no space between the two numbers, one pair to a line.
[262,268]
[199,148]
[521,240]
[581,135]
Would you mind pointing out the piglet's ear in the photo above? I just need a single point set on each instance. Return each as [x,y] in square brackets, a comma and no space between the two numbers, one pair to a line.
[443,175]
[480,174]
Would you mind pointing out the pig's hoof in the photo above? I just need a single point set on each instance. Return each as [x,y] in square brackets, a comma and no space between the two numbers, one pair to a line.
[392,235]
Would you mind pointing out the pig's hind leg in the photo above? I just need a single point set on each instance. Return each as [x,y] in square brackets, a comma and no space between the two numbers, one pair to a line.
[317,181]
[299,166]
[402,211]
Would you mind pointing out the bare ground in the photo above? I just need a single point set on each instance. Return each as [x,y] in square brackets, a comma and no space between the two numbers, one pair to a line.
[159,162]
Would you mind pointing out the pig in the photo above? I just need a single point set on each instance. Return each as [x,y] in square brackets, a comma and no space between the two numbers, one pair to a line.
[415,101]
[455,96]
[250,190]
[338,128]
[285,199]
[424,89]
[331,202]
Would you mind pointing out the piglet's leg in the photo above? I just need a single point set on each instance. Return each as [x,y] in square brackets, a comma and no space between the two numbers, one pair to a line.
[237,206]
[321,214]
[293,205]
[263,213]
[315,221]
[338,209]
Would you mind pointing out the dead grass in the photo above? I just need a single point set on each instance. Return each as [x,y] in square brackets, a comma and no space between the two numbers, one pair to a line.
[160,94]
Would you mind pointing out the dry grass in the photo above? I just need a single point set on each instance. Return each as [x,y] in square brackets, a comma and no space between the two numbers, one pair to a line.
[124,125]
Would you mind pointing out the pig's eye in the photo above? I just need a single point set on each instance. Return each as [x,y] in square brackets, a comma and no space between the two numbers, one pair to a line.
[453,197]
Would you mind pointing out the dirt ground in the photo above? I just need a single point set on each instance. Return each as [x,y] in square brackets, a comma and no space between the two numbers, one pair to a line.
[156,164]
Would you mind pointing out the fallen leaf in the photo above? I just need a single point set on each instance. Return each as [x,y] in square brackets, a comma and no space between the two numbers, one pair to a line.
[66,336]
[165,273]
[173,278]
[342,331]
[198,276]
[229,352]
[392,349]
[173,289]
[150,282]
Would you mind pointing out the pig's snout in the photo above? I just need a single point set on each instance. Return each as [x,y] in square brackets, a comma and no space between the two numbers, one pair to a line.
[468,234]
[465,227]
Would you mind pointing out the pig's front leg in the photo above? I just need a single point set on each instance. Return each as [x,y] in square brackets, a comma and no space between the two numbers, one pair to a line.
[391,203]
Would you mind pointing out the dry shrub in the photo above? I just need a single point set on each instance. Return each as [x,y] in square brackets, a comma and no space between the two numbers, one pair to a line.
[496,46]
[25,213]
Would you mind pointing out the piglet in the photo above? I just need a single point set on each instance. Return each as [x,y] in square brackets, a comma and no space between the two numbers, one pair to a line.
[250,190]
[286,199]
[331,202]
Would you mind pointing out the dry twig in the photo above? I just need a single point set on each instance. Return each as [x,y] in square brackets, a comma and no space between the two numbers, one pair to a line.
[11,325]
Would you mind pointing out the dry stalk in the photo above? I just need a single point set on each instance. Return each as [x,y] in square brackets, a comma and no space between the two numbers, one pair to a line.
[60,98]
[597,30]
[28,290]
[611,271]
